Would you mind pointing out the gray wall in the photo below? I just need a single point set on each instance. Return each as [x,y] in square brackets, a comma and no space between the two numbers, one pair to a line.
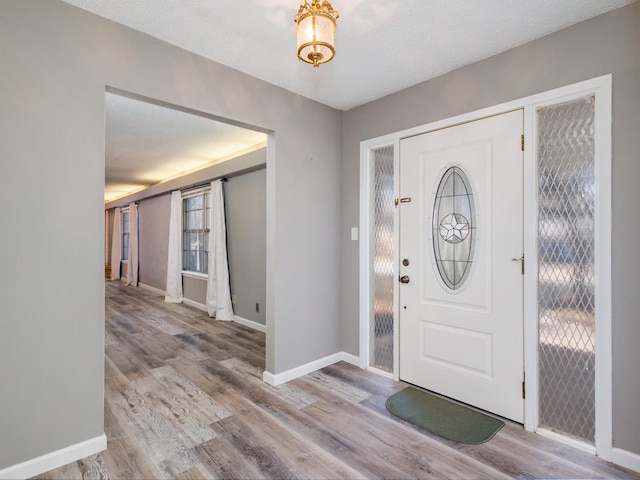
[246,213]
[194,289]
[153,240]
[56,62]
[606,44]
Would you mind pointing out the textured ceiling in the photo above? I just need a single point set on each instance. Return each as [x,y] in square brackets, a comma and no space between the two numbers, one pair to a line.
[382,45]
[147,144]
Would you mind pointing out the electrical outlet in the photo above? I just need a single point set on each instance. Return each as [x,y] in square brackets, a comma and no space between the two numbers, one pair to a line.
[233,299]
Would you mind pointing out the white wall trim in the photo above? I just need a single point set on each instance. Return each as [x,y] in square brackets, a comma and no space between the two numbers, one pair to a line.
[585,447]
[396,285]
[603,254]
[269,378]
[530,286]
[366,176]
[152,289]
[58,458]
[383,373]
[350,359]
[287,376]
[601,86]
[191,303]
[198,275]
[200,306]
[626,459]
[366,181]
[250,323]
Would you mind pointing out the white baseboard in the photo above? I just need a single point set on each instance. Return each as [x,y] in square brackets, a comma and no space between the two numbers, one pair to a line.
[152,289]
[284,377]
[579,444]
[250,323]
[626,459]
[349,358]
[240,320]
[378,371]
[270,378]
[49,461]
[191,303]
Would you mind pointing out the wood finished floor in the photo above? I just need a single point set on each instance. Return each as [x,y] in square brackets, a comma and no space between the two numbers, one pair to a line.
[184,399]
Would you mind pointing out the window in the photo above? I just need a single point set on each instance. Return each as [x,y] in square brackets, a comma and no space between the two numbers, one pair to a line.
[195,236]
[454,226]
[124,245]
[567,200]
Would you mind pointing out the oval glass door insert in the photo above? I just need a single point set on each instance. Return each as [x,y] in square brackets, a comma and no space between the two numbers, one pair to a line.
[454,228]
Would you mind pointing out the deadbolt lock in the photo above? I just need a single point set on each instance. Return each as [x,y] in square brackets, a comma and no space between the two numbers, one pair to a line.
[405,262]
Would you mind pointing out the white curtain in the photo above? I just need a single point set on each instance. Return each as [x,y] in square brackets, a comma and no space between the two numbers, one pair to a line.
[218,290]
[174,262]
[132,264]
[115,246]
[106,237]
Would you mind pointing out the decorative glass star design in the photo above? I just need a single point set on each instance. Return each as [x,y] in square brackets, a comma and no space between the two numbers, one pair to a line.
[454,228]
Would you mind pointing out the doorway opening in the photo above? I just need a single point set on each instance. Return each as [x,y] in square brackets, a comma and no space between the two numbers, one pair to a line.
[153,148]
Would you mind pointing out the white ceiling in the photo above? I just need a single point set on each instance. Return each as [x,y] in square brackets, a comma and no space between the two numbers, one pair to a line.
[382,45]
[147,144]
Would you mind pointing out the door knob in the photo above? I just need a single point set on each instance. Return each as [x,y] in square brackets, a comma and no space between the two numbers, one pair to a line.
[404,279]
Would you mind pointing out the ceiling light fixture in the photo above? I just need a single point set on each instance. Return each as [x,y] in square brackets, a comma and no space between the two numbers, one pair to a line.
[316,32]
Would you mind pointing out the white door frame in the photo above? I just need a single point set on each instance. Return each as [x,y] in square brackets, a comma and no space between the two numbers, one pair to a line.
[601,88]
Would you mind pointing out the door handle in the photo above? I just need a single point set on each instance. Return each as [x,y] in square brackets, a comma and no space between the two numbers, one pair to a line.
[521,260]
[404,279]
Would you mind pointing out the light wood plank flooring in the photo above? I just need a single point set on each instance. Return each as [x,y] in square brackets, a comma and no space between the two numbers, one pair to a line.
[184,399]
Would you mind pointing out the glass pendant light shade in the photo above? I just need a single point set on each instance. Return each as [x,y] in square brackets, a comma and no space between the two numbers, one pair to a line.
[316,32]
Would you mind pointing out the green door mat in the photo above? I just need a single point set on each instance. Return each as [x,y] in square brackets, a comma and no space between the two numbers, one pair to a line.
[443,417]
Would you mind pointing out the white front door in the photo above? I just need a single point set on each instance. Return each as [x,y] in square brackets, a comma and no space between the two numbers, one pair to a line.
[461,239]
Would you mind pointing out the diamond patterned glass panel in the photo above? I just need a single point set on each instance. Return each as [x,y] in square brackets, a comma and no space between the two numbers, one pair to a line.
[566,269]
[382,247]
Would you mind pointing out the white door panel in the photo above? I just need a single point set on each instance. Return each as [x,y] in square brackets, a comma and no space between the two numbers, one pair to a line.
[461,323]
[475,295]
